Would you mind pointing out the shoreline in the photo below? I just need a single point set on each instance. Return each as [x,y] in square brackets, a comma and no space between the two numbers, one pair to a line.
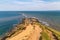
[42,22]
[49,24]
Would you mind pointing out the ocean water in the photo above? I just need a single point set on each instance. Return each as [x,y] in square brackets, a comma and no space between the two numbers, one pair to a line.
[9,18]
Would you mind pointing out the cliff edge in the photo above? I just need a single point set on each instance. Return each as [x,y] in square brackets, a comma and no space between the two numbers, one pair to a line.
[32,29]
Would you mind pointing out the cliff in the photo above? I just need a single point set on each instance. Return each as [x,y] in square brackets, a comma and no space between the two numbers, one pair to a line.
[32,29]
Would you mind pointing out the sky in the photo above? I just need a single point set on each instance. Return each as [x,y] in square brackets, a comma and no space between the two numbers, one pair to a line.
[29,5]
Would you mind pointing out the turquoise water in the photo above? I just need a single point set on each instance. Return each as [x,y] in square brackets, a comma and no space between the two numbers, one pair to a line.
[9,18]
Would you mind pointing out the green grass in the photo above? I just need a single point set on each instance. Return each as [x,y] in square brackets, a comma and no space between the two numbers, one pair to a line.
[57,33]
[44,33]
[45,36]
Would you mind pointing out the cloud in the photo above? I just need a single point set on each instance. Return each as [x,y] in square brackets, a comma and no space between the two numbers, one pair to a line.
[51,0]
[32,5]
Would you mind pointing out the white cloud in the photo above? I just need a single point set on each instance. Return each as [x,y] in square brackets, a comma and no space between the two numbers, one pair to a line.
[34,5]
[17,2]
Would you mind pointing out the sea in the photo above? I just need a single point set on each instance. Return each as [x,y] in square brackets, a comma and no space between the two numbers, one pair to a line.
[8,19]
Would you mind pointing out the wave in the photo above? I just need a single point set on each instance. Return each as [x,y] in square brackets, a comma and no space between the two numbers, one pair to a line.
[44,22]
[29,16]
[23,14]
[26,15]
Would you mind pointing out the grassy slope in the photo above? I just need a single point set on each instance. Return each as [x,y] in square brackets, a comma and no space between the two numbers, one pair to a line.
[57,33]
[44,33]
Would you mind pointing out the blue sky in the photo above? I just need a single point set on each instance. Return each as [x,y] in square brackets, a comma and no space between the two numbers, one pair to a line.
[29,5]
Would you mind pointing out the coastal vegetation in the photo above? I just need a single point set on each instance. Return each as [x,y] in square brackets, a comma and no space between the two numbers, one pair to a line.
[32,29]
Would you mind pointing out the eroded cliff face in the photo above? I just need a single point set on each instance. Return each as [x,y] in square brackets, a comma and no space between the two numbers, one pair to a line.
[32,29]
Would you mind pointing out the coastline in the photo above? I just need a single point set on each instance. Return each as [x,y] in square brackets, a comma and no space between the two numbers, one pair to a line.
[26,20]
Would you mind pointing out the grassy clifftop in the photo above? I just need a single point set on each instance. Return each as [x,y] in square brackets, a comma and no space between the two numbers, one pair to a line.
[49,33]
[32,29]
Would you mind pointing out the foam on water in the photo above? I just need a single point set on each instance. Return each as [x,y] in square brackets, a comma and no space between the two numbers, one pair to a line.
[43,22]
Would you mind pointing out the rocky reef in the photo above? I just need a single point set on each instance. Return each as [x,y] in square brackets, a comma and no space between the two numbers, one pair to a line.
[32,29]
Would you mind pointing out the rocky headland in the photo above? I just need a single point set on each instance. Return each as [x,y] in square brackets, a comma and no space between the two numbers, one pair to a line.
[32,29]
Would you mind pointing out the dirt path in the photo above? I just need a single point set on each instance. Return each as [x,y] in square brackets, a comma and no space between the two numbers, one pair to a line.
[29,34]
[36,34]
